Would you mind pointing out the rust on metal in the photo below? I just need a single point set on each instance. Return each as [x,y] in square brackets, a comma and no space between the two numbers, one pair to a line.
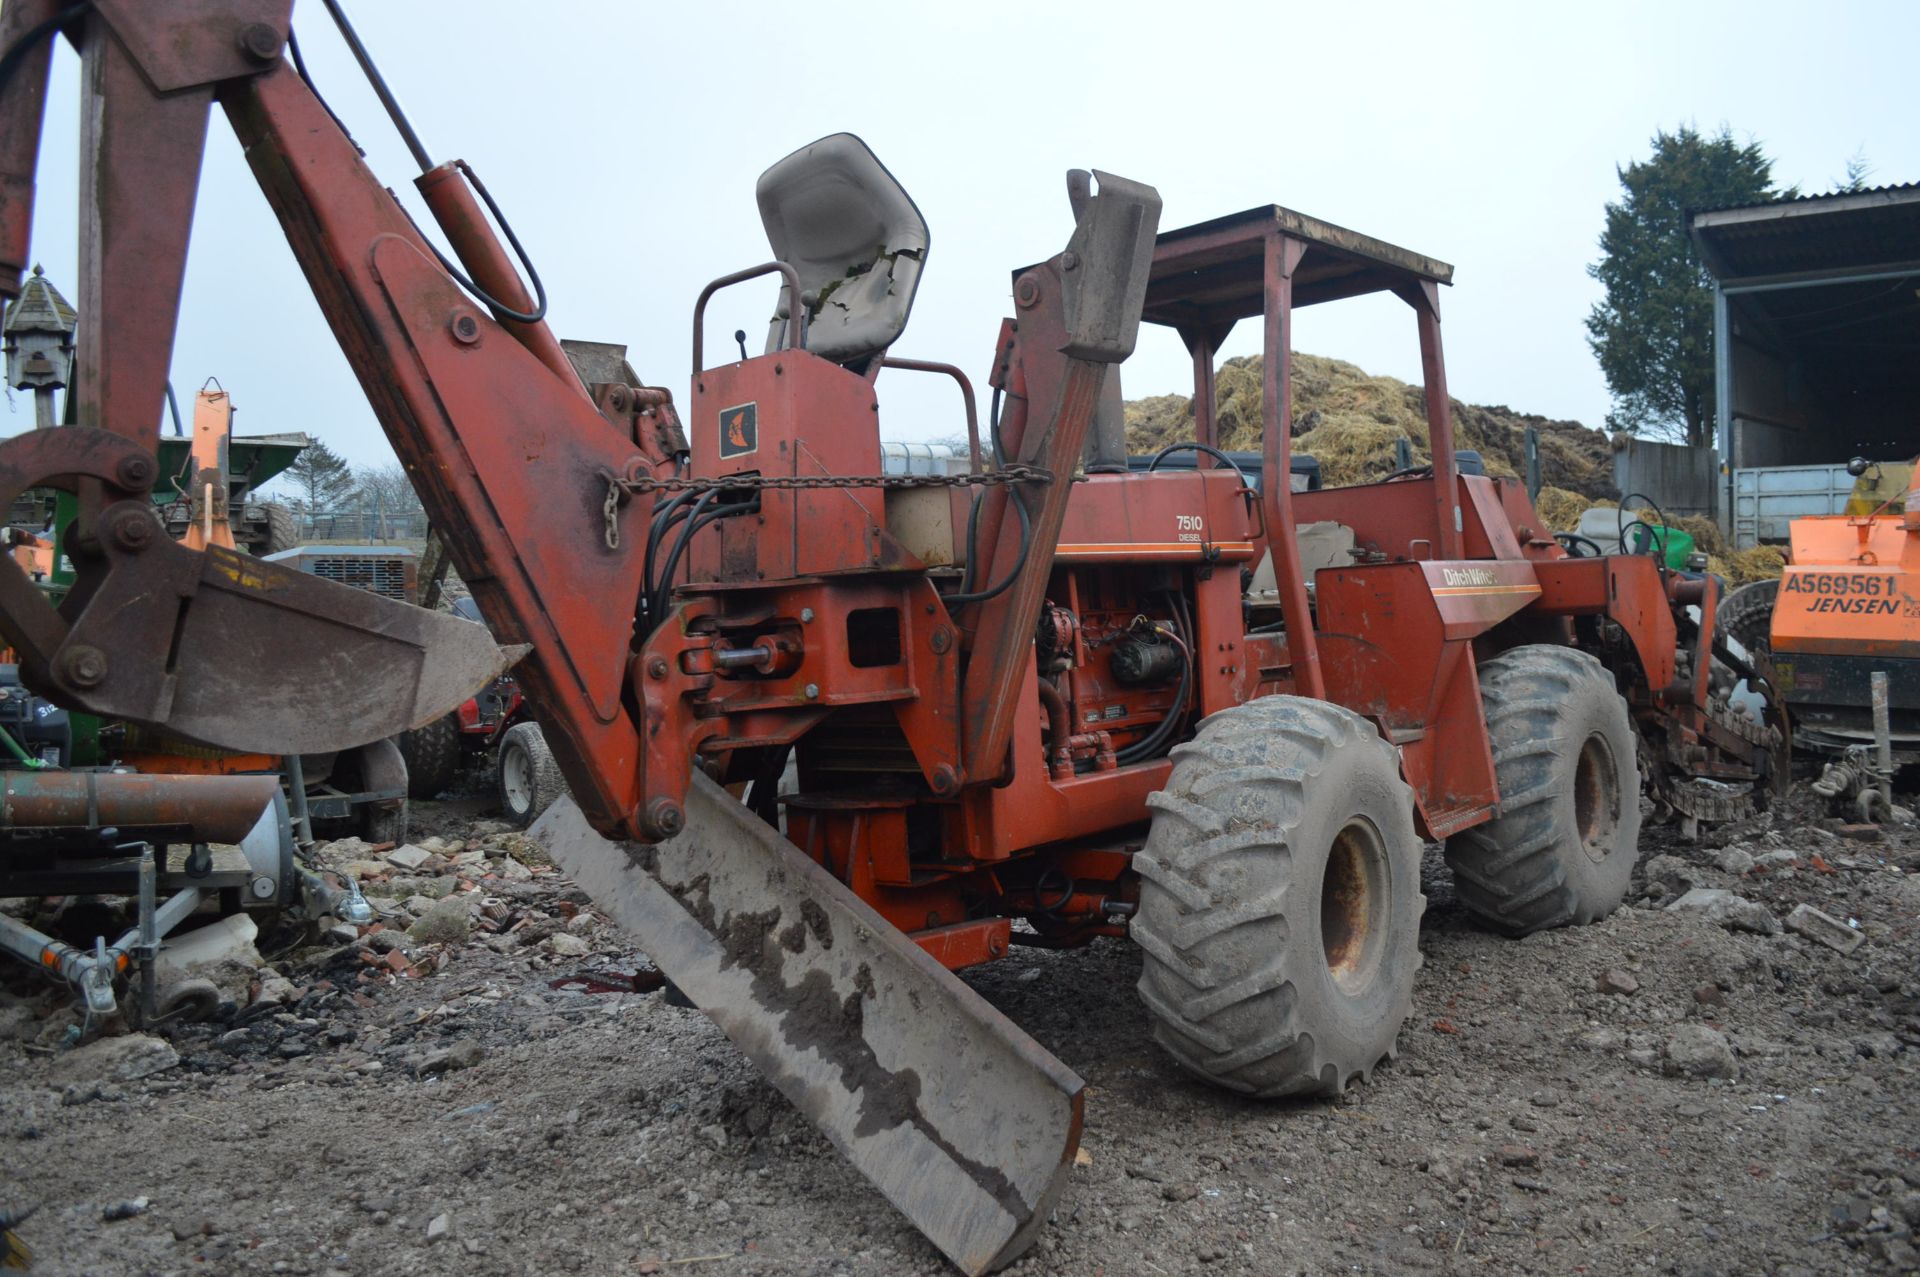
[197,808]
[962,1120]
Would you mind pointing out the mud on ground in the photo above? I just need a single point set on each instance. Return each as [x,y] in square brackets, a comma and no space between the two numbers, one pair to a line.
[1665,1092]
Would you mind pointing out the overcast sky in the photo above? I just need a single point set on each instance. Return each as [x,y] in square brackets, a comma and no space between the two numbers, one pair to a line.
[623,139]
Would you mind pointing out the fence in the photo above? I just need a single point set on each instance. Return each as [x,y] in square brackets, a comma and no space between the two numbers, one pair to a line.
[1681,480]
[363,525]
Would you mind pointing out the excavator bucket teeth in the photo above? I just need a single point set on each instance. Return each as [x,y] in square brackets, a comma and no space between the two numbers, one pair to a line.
[229,650]
[965,1123]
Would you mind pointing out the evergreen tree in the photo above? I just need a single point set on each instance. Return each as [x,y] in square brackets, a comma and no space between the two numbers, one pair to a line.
[322,478]
[1653,334]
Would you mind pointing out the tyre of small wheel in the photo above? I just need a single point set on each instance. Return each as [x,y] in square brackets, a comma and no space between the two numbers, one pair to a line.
[1280,900]
[1562,847]
[528,779]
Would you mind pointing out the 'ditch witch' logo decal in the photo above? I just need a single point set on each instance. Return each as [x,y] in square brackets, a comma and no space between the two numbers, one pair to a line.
[739,430]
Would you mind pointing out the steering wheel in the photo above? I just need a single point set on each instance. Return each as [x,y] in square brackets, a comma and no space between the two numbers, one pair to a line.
[1572,542]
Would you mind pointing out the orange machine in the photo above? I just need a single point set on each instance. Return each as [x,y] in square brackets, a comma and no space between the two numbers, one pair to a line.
[212,426]
[1848,605]
[1033,703]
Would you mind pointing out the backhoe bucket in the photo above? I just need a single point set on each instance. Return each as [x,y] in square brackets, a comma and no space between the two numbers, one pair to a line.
[963,1121]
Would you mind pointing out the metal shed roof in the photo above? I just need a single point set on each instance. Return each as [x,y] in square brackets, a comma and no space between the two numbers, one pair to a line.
[1812,234]
[1213,271]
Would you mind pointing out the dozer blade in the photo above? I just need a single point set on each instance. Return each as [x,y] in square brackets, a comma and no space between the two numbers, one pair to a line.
[228,650]
[965,1123]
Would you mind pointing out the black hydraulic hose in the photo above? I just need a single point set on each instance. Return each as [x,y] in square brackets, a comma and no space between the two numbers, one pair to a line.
[663,518]
[973,532]
[173,408]
[694,524]
[17,52]
[973,511]
[1210,450]
[1152,744]
[1013,573]
[1622,525]
[300,69]
[663,584]
[1149,746]
[498,307]
[424,159]
[993,431]
[665,515]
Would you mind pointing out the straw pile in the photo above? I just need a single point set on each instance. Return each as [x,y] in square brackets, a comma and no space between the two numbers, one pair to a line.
[1562,508]
[1762,563]
[1349,421]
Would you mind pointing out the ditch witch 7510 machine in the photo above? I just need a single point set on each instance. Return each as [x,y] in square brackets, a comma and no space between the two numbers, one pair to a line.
[1040,702]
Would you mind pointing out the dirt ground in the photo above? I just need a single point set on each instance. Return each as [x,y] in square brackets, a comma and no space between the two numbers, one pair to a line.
[1666,1092]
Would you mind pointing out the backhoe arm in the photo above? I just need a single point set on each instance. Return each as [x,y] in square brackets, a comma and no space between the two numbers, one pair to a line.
[512,459]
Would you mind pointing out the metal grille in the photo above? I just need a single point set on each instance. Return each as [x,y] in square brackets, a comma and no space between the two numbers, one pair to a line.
[386,577]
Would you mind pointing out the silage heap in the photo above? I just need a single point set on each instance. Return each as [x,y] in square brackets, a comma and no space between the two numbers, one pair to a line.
[1349,420]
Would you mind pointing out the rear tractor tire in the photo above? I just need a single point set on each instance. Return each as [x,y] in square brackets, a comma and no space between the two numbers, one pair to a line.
[433,756]
[283,529]
[529,779]
[1563,847]
[1280,900]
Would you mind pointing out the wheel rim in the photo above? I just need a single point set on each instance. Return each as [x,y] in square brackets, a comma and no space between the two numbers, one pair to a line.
[516,779]
[1353,906]
[1596,797]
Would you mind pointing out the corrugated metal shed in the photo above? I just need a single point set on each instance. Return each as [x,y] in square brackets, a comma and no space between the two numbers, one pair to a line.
[1838,232]
[1816,338]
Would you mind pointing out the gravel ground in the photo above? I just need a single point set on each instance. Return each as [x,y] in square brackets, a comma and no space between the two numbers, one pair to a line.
[1686,1092]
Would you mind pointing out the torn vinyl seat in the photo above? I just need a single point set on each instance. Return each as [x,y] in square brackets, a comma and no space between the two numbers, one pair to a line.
[836,215]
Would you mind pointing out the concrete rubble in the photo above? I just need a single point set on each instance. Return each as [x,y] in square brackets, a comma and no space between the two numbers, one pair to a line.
[474,1084]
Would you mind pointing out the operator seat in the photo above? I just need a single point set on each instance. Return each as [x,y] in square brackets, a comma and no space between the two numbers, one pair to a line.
[854,236]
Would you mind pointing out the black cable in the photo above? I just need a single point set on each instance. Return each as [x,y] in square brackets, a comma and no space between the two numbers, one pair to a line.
[498,307]
[993,431]
[1571,541]
[1621,525]
[663,584]
[1210,450]
[973,535]
[1151,745]
[973,511]
[425,160]
[663,517]
[17,51]
[1013,573]
[695,522]
[300,69]
[173,407]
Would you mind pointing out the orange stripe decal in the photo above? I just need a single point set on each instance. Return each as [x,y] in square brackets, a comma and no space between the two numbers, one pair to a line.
[1486,589]
[1088,549]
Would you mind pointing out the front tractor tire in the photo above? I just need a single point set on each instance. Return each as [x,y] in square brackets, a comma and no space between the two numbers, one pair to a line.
[1563,847]
[1280,900]
[527,776]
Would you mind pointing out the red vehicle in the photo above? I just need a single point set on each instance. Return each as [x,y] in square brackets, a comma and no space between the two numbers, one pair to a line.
[1048,691]
[494,728]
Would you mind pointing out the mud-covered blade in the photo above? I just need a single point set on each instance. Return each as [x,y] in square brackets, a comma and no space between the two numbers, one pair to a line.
[229,650]
[965,1123]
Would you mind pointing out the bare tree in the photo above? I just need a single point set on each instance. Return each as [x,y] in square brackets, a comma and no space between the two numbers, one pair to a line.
[386,490]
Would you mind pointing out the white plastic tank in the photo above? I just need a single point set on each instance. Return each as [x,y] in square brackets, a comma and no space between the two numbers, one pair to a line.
[921,458]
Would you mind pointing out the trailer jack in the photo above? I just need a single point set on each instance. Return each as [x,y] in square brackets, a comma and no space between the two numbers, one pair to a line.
[92,974]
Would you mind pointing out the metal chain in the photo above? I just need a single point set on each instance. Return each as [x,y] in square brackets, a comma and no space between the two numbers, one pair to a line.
[1691,797]
[618,489]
